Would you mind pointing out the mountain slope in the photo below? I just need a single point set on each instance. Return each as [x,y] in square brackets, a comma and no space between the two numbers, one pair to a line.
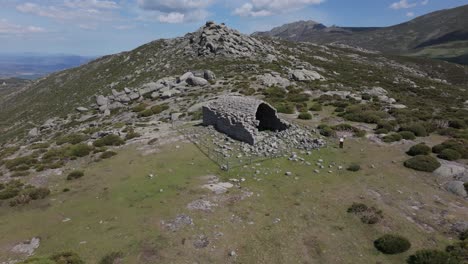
[442,34]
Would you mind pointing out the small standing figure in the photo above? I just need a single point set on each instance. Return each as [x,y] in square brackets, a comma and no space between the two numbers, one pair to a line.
[341,142]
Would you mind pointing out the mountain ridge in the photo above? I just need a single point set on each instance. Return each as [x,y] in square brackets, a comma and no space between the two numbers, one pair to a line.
[419,35]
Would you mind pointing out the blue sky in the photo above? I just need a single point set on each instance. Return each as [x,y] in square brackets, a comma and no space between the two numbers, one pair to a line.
[99,27]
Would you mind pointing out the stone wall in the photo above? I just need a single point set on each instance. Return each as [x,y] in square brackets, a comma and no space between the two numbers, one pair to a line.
[242,117]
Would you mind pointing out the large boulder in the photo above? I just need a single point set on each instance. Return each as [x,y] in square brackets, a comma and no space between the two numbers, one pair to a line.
[33,132]
[184,77]
[209,75]
[302,75]
[273,78]
[457,188]
[196,81]
[102,100]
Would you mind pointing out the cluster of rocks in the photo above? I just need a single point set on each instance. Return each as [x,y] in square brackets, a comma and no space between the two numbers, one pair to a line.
[273,79]
[454,177]
[303,75]
[164,88]
[219,40]
[273,144]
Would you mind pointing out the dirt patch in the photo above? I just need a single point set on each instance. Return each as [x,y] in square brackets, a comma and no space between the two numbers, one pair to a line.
[177,223]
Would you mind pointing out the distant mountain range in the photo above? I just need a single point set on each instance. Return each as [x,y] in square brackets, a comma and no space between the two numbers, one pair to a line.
[440,35]
[33,65]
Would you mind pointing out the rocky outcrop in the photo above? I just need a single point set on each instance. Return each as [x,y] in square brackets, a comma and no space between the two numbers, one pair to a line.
[242,117]
[273,79]
[303,75]
[219,40]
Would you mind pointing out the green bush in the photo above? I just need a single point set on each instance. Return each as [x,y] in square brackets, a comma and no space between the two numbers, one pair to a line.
[366,97]
[67,258]
[157,109]
[80,150]
[75,175]
[419,149]
[316,107]
[449,154]
[381,131]
[71,139]
[408,135]
[393,137]
[326,131]
[109,140]
[42,145]
[304,116]
[20,162]
[111,258]
[368,215]
[464,235]
[418,129]
[423,163]
[459,145]
[354,167]
[430,256]
[458,251]
[285,108]
[457,124]
[145,113]
[131,134]
[392,244]
[37,193]
[139,108]
[108,154]
[38,261]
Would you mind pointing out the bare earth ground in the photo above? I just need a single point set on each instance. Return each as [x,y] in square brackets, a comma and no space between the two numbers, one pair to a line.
[265,217]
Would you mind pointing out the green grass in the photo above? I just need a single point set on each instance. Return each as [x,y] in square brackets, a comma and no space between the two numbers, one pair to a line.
[116,207]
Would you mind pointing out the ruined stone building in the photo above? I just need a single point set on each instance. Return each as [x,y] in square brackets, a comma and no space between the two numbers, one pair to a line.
[242,117]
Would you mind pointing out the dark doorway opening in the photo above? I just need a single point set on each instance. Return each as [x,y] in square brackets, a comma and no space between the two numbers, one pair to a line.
[268,119]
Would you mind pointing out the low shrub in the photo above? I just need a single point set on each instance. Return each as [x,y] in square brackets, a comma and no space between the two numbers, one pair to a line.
[418,129]
[368,215]
[111,258]
[37,193]
[20,200]
[422,163]
[459,145]
[75,175]
[419,149]
[381,131]
[408,135]
[67,258]
[326,131]
[457,124]
[157,109]
[36,260]
[108,154]
[430,256]
[304,116]
[109,140]
[72,139]
[285,108]
[354,167]
[392,244]
[145,113]
[139,108]
[449,154]
[463,235]
[131,134]
[458,251]
[316,107]
[393,137]
[20,162]
[42,145]
[79,150]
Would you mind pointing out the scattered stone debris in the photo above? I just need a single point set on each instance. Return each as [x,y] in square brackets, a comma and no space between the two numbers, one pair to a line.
[201,241]
[202,205]
[27,247]
[219,187]
[179,222]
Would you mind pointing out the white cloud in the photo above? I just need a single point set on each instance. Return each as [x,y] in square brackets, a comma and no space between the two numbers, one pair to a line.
[72,10]
[95,4]
[10,28]
[425,2]
[410,14]
[124,27]
[177,11]
[257,8]
[402,4]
